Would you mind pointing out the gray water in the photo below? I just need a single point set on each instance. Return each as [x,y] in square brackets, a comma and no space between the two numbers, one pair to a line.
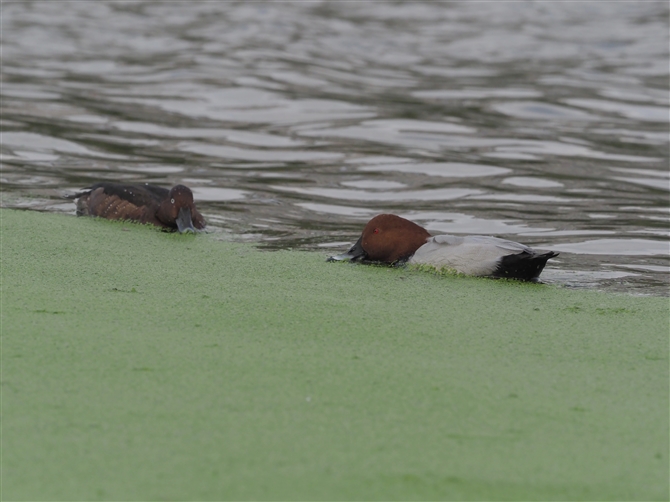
[294,123]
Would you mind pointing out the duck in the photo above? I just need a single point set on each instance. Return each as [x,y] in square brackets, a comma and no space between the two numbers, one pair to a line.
[393,240]
[171,209]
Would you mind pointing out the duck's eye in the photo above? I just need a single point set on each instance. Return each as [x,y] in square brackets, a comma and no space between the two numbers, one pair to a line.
[376,231]
[172,200]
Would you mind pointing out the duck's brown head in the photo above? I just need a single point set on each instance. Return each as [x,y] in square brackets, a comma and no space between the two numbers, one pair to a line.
[386,238]
[178,210]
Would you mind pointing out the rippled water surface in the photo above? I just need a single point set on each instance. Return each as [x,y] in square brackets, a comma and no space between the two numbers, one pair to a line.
[294,123]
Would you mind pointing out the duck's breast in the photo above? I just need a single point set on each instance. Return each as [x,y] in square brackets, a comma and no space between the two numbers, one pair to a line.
[471,255]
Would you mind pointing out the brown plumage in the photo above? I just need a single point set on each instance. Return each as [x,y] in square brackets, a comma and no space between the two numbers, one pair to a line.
[172,209]
[385,228]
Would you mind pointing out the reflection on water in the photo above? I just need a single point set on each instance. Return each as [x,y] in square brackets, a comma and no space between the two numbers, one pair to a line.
[545,123]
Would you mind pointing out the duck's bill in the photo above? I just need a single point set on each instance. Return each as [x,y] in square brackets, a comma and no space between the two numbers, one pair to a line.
[356,253]
[184,221]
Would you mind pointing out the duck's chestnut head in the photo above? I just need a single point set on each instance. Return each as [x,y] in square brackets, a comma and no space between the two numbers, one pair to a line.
[178,210]
[386,238]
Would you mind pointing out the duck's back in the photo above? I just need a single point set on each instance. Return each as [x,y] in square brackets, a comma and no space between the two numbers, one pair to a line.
[116,201]
[483,256]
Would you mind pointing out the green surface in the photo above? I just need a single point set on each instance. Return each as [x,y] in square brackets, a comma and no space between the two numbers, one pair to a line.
[140,365]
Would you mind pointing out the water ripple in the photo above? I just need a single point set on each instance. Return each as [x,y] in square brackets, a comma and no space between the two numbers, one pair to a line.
[296,122]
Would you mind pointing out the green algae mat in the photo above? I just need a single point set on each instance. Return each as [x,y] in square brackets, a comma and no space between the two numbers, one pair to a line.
[141,365]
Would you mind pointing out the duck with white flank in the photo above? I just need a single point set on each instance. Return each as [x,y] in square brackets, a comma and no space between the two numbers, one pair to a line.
[390,239]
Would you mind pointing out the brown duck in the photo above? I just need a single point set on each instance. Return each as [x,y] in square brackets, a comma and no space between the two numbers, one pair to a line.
[171,209]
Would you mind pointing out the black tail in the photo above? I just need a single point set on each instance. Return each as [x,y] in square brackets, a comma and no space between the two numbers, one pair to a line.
[76,195]
[73,196]
[523,266]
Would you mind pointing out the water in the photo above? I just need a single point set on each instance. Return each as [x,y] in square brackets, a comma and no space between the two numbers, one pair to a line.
[294,123]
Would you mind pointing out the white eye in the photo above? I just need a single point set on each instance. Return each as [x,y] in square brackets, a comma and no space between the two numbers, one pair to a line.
[172,200]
